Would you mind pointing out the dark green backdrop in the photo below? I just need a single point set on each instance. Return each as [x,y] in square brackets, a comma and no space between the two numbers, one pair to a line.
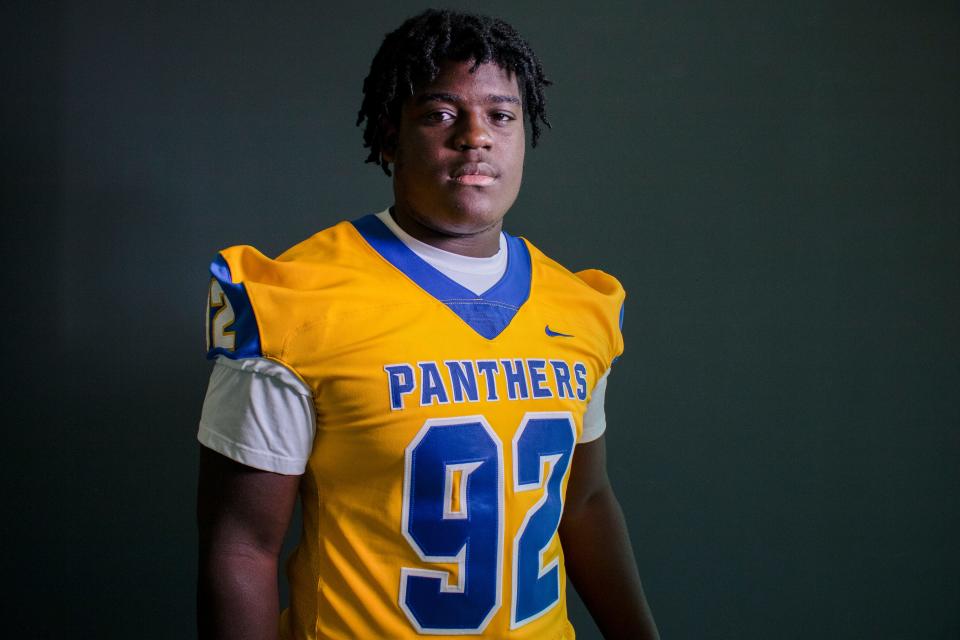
[776,184]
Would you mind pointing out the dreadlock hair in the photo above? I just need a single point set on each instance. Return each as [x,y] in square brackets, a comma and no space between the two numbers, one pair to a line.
[410,57]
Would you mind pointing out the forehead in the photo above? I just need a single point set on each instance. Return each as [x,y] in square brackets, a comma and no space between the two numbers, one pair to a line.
[456,78]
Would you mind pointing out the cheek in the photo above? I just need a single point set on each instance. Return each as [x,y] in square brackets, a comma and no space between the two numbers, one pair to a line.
[419,145]
[405,159]
[417,161]
[516,162]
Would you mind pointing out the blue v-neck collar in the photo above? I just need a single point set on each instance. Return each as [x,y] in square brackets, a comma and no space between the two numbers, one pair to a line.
[488,313]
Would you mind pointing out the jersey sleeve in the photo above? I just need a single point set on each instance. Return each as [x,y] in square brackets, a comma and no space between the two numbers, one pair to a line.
[609,310]
[231,324]
[259,413]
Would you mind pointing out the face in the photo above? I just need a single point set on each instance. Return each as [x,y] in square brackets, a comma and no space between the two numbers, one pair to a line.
[458,151]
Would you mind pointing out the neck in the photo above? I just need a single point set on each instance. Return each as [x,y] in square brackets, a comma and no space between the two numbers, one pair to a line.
[475,244]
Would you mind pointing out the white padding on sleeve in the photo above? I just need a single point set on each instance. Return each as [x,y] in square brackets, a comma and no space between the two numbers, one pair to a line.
[258,413]
[594,419]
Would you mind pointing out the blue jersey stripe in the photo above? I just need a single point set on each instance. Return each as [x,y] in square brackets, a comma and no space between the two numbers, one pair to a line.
[488,313]
[244,325]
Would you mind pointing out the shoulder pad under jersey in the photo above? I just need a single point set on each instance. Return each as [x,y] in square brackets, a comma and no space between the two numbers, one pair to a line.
[612,303]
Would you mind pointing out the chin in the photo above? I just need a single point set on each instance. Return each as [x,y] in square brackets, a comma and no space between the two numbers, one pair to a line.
[470,220]
[476,210]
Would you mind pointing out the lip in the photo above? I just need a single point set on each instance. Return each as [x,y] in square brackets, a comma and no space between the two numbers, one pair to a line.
[475,174]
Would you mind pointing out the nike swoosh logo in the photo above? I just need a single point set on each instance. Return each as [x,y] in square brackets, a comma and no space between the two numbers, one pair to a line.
[556,334]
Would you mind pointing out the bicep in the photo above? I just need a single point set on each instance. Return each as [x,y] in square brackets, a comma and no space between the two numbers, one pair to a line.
[588,474]
[242,507]
[242,517]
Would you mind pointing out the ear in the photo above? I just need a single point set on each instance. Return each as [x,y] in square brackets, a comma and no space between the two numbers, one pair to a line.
[388,144]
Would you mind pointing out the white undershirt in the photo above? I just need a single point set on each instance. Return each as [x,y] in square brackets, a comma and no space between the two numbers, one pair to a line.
[475,274]
[261,414]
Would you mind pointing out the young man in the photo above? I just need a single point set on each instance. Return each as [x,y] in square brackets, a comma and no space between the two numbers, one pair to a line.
[431,386]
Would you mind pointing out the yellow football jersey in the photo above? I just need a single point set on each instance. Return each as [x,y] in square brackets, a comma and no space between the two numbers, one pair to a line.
[446,423]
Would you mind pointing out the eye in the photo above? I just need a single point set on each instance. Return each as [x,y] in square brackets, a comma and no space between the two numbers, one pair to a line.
[438,116]
[502,116]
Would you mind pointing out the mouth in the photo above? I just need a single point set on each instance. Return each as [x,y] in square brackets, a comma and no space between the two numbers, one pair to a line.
[475,174]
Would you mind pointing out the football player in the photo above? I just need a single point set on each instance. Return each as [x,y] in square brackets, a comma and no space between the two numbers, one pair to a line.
[429,385]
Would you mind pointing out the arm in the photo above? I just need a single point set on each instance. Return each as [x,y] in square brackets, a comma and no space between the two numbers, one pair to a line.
[597,551]
[242,517]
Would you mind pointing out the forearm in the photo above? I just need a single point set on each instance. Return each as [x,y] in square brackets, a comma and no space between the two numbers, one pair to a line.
[600,562]
[237,595]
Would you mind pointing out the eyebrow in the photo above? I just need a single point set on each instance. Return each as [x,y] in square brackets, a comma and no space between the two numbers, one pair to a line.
[452,97]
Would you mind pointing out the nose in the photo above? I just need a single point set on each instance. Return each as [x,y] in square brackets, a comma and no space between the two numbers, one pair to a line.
[472,133]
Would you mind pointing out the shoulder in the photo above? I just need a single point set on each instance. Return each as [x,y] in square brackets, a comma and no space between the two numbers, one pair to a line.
[255,301]
[588,286]
[306,259]
[595,297]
